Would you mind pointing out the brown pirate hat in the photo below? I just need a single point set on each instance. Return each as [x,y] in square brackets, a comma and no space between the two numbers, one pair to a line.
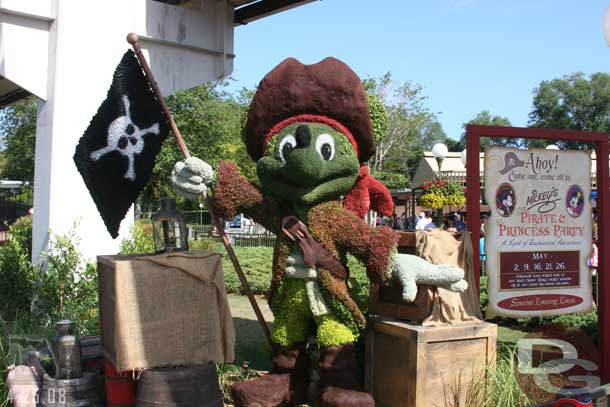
[327,92]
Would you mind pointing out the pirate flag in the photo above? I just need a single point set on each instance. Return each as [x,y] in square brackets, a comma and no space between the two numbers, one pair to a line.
[117,152]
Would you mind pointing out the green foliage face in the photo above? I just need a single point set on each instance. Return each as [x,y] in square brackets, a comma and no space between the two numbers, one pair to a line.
[308,163]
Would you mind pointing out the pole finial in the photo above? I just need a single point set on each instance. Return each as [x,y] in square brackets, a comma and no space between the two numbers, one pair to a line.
[132,38]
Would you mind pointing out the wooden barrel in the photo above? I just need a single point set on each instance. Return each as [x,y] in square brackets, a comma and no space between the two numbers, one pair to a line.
[120,387]
[192,386]
[91,354]
[86,391]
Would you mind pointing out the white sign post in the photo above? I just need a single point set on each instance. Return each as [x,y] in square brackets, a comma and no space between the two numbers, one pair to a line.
[539,235]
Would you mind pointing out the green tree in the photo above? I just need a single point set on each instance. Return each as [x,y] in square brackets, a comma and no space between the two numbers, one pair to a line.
[411,127]
[379,116]
[211,121]
[485,118]
[433,133]
[18,134]
[454,145]
[572,102]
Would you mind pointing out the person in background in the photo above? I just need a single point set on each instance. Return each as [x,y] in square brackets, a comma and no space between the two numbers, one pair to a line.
[449,224]
[483,222]
[399,223]
[411,222]
[460,226]
[393,221]
[430,225]
[593,260]
[482,255]
[429,222]
[421,221]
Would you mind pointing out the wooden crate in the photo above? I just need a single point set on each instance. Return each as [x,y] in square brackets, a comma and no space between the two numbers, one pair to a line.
[387,300]
[414,366]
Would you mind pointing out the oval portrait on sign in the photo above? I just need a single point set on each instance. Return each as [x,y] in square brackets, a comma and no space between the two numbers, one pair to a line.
[575,201]
[505,200]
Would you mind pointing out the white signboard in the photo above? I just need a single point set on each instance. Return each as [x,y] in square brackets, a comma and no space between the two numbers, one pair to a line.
[539,235]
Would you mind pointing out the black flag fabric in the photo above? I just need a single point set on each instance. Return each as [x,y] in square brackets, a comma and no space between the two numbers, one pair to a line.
[117,152]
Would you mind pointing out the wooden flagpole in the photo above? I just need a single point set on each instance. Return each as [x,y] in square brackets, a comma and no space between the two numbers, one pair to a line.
[133,39]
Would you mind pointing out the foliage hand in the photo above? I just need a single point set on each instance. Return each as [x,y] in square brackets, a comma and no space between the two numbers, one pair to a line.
[412,270]
[190,178]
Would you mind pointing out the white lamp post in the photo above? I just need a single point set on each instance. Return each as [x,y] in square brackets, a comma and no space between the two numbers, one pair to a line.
[606,26]
[439,151]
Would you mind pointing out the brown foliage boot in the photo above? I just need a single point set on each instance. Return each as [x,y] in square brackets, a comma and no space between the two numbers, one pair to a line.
[338,384]
[286,383]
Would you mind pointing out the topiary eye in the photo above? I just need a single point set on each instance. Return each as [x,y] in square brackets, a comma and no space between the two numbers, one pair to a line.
[325,146]
[286,146]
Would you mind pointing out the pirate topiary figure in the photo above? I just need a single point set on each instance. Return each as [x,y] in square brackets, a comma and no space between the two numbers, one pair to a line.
[310,133]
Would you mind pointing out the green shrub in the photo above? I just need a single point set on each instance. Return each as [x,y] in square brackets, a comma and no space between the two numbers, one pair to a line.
[16,271]
[4,363]
[20,235]
[141,239]
[16,282]
[202,244]
[67,286]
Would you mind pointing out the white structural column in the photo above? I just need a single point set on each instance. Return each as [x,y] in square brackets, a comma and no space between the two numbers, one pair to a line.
[80,43]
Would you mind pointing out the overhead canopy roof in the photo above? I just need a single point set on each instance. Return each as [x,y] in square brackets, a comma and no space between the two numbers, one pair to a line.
[10,92]
[246,11]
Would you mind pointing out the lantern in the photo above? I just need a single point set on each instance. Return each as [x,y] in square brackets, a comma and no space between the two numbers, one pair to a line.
[169,228]
[4,233]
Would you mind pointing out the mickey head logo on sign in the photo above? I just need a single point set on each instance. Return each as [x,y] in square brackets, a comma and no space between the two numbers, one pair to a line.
[125,137]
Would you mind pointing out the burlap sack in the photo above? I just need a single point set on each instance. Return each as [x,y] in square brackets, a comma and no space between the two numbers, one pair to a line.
[169,309]
[440,247]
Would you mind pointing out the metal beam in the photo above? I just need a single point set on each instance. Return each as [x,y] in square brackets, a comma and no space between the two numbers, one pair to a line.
[264,8]
[13,96]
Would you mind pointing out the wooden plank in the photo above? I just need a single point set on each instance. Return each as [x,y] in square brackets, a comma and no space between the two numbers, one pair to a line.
[412,370]
[390,386]
[464,359]
[369,354]
[388,301]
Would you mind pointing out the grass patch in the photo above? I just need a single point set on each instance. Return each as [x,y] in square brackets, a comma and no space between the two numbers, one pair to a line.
[500,387]
[256,263]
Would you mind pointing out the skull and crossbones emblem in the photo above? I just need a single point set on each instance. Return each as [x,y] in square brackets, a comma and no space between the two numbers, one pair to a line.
[125,137]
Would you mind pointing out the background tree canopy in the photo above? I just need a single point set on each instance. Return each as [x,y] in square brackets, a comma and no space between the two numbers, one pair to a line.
[18,135]
[572,102]
[411,128]
[212,119]
[485,118]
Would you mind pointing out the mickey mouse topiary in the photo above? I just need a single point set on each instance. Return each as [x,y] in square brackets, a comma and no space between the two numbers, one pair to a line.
[310,133]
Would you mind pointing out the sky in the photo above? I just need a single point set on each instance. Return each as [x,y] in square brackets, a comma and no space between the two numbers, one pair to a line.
[469,55]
